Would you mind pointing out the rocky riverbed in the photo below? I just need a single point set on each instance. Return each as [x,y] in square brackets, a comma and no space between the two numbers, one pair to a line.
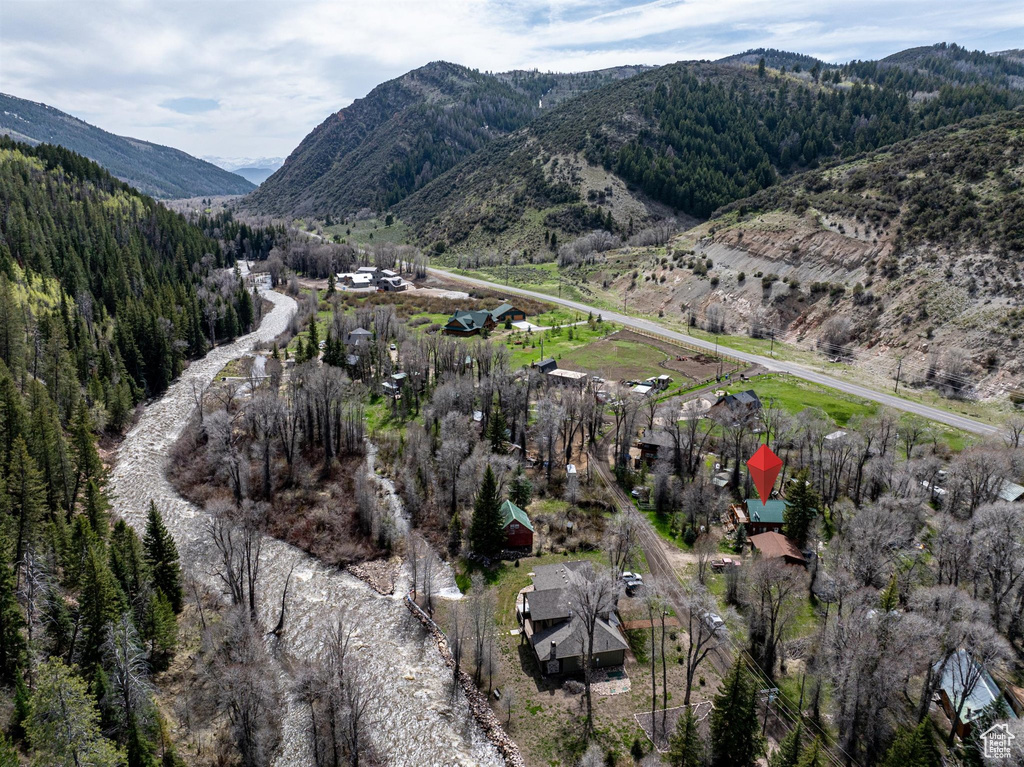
[414,720]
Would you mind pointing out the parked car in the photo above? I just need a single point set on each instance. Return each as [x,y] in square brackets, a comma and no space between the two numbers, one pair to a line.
[633,582]
[720,564]
[393,347]
[714,622]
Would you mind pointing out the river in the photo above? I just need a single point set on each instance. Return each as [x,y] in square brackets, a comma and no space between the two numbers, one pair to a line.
[413,719]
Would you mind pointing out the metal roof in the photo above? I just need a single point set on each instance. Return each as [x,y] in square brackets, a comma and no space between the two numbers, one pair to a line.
[509,512]
[771,512]
[959,667]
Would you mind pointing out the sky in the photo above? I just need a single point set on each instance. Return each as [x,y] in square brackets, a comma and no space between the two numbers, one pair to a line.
[250,78]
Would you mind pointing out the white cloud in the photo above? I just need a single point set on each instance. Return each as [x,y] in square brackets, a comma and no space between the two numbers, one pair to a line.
[277,69]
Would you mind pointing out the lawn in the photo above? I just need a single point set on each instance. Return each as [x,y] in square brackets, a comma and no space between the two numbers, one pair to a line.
[369,231]
[794,394]
[528,348]
[617,359]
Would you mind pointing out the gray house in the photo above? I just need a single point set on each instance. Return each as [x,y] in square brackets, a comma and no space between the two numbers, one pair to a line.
[557,635]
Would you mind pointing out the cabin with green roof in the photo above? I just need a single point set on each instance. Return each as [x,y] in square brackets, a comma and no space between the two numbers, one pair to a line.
[517,526]
[765,517]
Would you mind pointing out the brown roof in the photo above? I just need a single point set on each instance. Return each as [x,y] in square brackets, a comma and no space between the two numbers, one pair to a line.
[776,545]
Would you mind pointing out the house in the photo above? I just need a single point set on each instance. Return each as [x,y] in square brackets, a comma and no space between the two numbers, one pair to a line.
[393,387]
[736,407]
[546,366]
[392,284]
[517,526]
[567,377]
[650,444]
[355,280]
[556,634]
[1011,492]
[777,546]
[642,389]
[370,271]
[960,670]
[358,337]
[507,312]
[469,323]
[765,517]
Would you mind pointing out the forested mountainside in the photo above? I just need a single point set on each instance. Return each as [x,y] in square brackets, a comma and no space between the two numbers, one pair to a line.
[401,135]
[108,280]
[408,131]
[958,187]
[155,170]
[104,294]
[691,137]
[552,88]
[909,252]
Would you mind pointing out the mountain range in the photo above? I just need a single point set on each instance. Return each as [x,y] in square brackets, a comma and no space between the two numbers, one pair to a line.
[153,169]
[480,160]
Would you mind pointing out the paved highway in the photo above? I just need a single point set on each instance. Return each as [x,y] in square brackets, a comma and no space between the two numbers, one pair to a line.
[801,371]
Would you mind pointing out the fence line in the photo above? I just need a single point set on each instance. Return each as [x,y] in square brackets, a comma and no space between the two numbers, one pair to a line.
[686,345]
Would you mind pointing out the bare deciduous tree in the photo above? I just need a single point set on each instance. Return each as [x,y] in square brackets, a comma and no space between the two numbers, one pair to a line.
[594,594]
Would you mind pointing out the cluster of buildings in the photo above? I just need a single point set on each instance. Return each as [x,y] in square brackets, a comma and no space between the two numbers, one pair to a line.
[372,278]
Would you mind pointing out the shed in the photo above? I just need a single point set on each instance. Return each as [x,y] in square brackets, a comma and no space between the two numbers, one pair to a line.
[517,526]
[546,366]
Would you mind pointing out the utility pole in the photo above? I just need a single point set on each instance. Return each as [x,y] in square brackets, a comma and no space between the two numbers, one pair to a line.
[771,352]
[899,368]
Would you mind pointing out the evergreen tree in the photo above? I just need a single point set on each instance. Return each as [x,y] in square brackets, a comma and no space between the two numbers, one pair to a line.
[486,536]
[686,747]
[22,707]
[161,629]
[87,460]
[812,756]
[100,602]
[138,749]
[312,341]
[735,732]
[761,67]
[891,596]
[912,748]
[802,508]
[455,535]
[330,284]
[26,497]
[520,490]
[64,725]
[12,642]
[96,508]
[497,431]
[128,564]
[8,753]
[788,753]
[162,557]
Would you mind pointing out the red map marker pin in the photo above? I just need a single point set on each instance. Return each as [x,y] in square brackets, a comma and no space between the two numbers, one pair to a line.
[764,468]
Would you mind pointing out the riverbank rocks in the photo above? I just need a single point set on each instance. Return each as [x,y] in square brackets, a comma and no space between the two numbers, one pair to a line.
[478,705]
[379,574]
